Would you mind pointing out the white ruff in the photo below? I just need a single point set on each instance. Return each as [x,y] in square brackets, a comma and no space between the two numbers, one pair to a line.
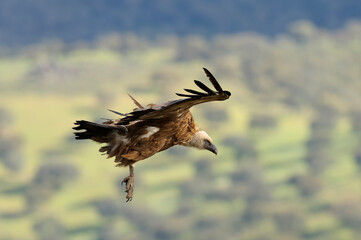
[151,131]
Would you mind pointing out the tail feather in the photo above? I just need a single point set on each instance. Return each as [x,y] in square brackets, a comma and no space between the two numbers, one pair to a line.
[95,131]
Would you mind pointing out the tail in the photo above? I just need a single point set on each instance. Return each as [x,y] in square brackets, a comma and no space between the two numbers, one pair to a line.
[97,132]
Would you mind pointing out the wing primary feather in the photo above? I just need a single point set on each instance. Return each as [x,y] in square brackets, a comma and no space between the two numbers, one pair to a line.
[195,92]
[203,87]
[213,80]
[188,95]
[136,102]
[121,114]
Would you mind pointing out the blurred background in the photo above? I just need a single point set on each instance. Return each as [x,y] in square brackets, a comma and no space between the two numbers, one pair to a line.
[289,138]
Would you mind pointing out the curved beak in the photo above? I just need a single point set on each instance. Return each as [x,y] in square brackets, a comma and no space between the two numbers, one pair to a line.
[212,148]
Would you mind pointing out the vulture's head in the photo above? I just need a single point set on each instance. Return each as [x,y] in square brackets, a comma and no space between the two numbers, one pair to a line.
[202,140]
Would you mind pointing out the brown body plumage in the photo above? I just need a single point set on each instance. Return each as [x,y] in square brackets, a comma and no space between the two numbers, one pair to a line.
[145,138]
[148,130]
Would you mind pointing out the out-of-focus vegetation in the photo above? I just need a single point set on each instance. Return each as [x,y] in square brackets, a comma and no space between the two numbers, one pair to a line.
[24,22]
[289,139]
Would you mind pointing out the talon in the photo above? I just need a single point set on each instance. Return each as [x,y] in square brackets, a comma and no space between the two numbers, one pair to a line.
[125,181]
[129,187]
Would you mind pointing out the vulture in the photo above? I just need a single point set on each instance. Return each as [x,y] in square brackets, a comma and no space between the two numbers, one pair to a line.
[148,130]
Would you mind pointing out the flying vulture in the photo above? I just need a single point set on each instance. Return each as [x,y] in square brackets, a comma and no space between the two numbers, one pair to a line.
[147,130]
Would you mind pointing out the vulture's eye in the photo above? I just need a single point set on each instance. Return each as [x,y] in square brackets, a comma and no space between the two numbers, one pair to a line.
[207,142]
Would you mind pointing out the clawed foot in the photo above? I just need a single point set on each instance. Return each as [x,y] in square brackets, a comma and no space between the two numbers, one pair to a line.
[129,187]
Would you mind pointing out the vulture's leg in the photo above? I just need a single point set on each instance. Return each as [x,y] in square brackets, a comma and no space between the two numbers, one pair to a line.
[129,183]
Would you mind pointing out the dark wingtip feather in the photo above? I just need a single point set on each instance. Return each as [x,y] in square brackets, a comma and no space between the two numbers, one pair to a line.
[82,135]
[121,114]
[203,87]
[78,124]
[187,95]
[195,92]
[92,129]
[213,80]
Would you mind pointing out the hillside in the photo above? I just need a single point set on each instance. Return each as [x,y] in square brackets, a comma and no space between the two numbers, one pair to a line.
[25,22]
[289,159]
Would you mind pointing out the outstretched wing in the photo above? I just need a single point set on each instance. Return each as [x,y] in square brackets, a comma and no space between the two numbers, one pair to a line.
[176,107]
